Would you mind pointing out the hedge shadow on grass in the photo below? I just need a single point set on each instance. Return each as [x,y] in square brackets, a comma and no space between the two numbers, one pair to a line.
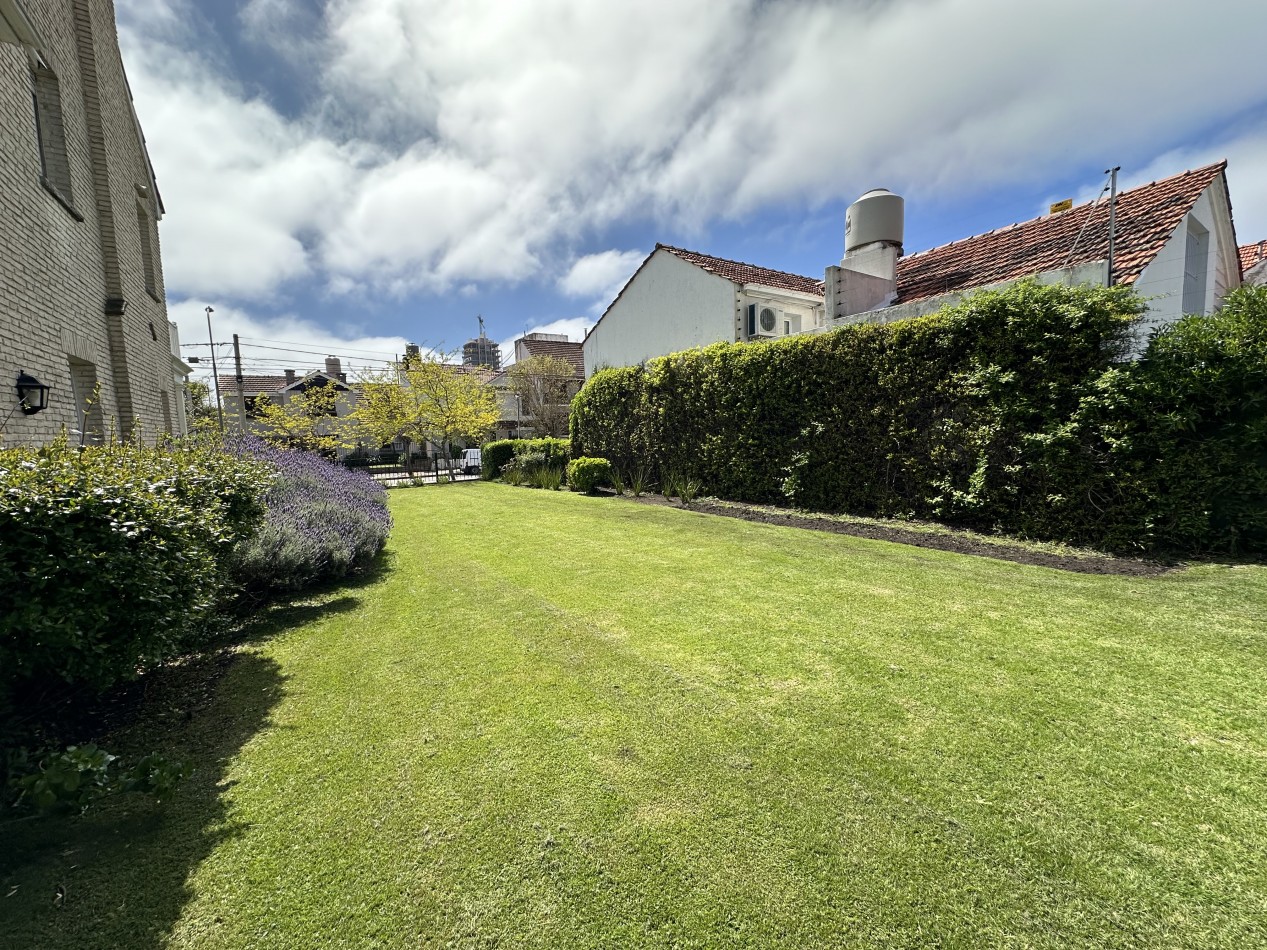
[122,870]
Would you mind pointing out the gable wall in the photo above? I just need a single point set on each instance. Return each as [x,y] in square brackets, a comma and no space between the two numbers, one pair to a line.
[1162,280]
[669,305]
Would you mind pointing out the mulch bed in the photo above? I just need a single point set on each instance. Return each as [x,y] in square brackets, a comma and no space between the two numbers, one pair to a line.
[943,539]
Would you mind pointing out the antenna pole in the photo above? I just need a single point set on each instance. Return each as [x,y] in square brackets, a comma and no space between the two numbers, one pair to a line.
[1112,173]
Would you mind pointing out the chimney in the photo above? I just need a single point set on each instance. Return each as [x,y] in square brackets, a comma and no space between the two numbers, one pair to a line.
[333,366]
[290,376]
[866,279]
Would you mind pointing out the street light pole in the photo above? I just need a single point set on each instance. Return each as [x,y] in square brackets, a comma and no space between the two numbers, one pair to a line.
[215,373]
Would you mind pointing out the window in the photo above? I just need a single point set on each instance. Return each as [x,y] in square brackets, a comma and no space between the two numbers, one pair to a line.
[51,132]
[87,395]
[1196,262]
[146,231]
[167,410]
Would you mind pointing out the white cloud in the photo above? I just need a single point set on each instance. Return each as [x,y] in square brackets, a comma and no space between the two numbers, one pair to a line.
[457,141]
[600,276]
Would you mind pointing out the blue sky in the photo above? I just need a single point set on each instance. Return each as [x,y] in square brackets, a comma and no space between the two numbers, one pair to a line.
[354,174]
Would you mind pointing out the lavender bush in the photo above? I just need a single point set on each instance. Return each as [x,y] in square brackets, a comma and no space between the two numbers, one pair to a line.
[323,521]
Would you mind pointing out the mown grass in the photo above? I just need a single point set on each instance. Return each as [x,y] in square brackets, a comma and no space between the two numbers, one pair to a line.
[562,721]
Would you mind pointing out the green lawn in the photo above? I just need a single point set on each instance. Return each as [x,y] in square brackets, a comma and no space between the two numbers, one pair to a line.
[561,721]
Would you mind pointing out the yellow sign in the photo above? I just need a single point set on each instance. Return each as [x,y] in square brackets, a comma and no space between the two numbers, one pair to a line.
[1060,206]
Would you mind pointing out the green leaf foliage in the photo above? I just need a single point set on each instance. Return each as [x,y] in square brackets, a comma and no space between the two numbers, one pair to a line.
[111,557]
[1014,411]
[589,474]
[494,455]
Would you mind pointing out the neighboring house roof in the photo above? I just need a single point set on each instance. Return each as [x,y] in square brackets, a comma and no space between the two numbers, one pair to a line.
[254,385]
[742,273]
[572,353]
[1146,217]
[1252,255]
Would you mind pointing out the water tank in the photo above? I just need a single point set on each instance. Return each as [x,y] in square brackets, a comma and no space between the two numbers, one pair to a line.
[875,217]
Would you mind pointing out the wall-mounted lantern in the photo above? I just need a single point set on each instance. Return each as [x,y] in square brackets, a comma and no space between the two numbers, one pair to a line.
[32,394]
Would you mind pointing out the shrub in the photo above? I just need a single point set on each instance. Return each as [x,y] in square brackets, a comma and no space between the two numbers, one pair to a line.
[955,416]
[536,462]
[554,452]
[495,456]
[1186,429]
[1013,411]
[322,522]
[112,557]
[589,474]
[79,776]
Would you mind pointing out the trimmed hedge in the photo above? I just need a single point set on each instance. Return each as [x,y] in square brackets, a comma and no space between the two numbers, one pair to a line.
[495,455]
[589,474]
[1011,412]
[554,453]
[112,556]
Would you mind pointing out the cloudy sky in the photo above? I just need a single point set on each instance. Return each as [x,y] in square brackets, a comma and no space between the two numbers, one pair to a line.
[355,174]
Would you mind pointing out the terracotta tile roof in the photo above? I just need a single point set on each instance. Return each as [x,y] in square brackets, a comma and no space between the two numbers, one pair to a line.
[252,384]
[742,273]
[572,353]
[1252,255]
[1146,217]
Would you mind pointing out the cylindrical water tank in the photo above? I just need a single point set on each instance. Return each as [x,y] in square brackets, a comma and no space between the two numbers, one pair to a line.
[876,216]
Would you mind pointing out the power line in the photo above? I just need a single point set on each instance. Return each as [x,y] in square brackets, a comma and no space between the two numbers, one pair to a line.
[343,349]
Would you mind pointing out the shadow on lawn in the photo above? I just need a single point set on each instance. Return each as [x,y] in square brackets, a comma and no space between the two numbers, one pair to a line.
[117,877]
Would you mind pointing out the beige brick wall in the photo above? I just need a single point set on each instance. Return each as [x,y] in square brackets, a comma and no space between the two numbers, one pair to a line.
[63,257]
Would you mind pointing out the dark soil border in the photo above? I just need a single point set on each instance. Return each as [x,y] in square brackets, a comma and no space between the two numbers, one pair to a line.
[941,539]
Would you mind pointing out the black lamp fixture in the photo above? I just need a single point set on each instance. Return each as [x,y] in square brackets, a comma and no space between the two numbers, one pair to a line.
[32,394]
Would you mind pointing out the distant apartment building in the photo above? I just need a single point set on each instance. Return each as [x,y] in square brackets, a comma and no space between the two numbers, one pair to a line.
[482,351]
[82,306]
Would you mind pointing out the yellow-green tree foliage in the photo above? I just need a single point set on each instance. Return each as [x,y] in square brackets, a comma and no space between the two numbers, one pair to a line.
[426,401]
[308,420]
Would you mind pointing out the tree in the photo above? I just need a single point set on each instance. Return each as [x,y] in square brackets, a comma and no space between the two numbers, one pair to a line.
[426,402]
[308,420]
[545,386]
[203,416]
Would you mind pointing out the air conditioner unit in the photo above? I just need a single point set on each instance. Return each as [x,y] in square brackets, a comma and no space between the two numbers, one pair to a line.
[764,321]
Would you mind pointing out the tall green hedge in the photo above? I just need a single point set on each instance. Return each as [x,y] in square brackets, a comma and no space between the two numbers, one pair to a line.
[1013,411]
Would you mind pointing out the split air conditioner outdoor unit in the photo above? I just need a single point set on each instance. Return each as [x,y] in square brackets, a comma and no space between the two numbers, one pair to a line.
[764,321]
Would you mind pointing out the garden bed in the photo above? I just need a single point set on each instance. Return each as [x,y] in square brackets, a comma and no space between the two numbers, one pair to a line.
[927,535]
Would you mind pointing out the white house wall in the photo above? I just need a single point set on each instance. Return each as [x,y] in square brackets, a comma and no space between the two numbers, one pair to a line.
[668,306]
[1161,282]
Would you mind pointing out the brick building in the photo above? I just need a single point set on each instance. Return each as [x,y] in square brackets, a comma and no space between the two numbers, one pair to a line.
[81,283]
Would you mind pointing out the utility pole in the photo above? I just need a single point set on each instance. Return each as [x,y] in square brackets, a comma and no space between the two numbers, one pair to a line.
[1112,173]
[237,371]
[215,373]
